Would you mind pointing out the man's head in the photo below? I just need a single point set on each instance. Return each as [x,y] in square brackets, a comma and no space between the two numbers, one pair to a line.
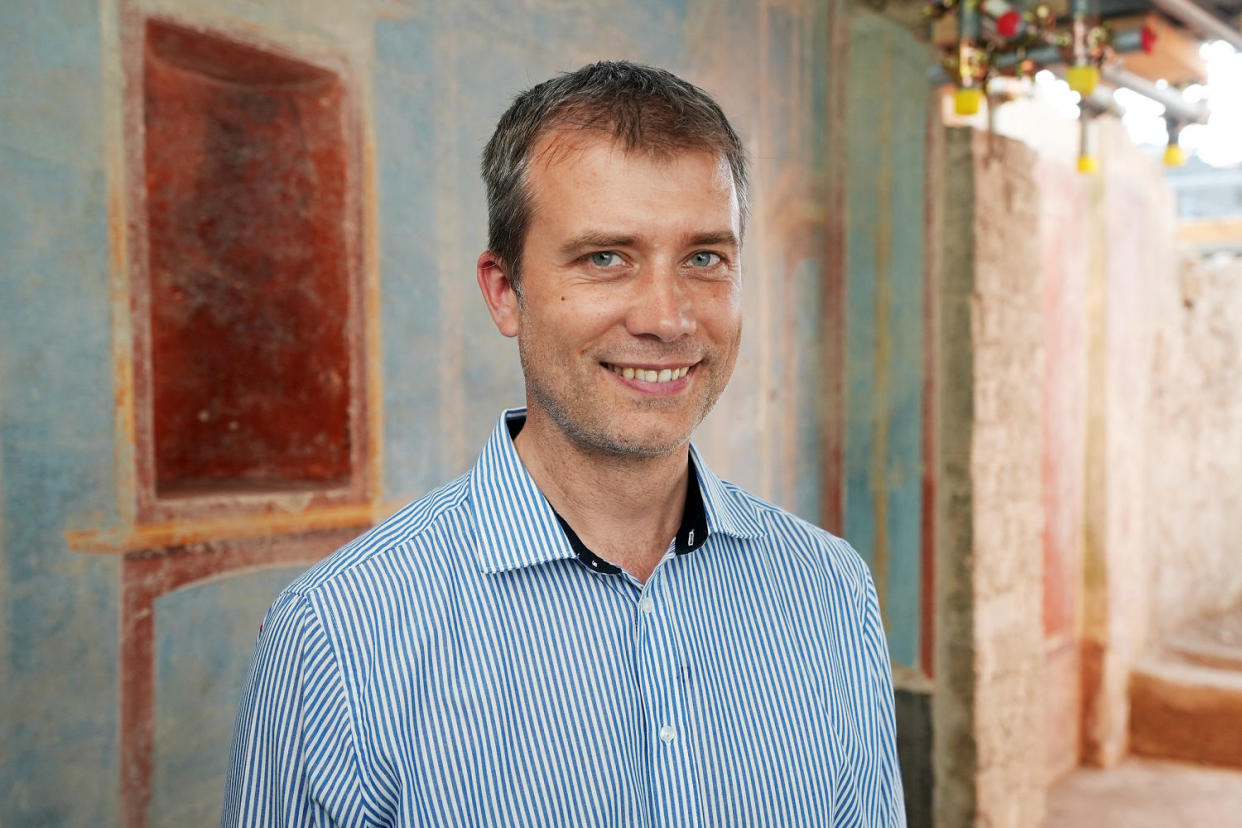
[642,108]
[619,195]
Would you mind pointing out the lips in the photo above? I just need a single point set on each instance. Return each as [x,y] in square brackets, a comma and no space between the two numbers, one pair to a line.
[649,374]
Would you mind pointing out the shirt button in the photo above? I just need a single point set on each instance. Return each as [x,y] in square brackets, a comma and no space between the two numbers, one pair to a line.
[667,734]
[646,605]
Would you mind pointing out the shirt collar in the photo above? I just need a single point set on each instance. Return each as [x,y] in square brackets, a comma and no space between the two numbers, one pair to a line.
[517,527]
[690,535]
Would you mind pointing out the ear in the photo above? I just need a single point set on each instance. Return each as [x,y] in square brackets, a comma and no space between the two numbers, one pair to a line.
[498,292]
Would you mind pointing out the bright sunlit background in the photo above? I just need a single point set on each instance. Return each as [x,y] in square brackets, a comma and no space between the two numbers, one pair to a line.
[1218,142]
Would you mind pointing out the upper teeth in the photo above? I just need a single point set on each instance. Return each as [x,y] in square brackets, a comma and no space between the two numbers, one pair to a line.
[650,375]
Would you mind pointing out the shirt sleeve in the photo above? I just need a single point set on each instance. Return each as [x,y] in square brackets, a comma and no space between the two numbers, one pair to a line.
[294,759]
[886,795]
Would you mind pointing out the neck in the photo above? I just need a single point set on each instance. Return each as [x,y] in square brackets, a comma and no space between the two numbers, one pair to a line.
[625,508]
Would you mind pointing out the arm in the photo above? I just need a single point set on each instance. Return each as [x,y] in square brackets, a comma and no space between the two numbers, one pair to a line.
[884,787]
[294,758]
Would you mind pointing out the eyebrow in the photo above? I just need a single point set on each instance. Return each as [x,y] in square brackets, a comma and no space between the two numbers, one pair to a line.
[592,239]
[725,237]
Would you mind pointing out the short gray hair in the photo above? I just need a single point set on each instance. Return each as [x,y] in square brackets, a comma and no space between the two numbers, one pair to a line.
[641,107]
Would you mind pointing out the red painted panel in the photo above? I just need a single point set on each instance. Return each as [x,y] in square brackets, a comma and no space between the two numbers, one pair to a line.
[249,262]
[147,574]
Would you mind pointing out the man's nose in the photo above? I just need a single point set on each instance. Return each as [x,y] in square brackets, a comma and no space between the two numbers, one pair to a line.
[662,306]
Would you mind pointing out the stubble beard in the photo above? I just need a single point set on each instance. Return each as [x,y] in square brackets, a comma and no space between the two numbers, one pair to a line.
[573,415]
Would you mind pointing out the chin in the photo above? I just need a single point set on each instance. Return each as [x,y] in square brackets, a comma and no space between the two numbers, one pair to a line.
[621,442]
[650,448]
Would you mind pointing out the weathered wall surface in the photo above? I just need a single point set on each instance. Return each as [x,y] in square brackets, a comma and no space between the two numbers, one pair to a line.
[1132,244]
[989,694]
[1194,454]
[1007,335]
[954,750]
[884,319]
[1094,400]
[426,82]
[58,629]
[1064,247]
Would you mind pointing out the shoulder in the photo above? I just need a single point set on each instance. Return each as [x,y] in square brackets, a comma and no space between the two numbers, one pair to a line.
[395,582]
[801,542]
[434,521]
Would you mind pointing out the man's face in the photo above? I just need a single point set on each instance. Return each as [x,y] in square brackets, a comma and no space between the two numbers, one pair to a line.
[630,311]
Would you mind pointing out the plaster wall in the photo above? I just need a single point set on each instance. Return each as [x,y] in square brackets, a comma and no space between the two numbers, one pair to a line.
[1132,240]
[1085,439]
[884,323]
[1194,482]
[1064,207]
[988,702]
[427,81]
[1007,336]
[1068,213]
[1161,468]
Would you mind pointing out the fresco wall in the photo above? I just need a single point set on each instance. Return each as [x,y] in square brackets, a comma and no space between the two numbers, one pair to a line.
[130,607]
[885,332]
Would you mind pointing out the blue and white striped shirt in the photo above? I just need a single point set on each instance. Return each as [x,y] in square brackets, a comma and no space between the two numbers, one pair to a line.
[458,665]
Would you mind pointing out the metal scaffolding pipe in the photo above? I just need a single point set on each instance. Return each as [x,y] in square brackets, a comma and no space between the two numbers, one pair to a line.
[1124,41]
[968,25]
[1041,56]
[1128,40]
[1079,9]
[1201,20]
[1175,105]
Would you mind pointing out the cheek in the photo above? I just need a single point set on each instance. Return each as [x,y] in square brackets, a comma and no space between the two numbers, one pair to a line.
[726,318]
[562,324]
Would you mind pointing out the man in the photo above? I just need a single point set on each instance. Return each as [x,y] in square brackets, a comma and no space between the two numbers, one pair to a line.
[588,628]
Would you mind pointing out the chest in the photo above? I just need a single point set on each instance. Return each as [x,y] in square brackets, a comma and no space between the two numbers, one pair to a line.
[577,698]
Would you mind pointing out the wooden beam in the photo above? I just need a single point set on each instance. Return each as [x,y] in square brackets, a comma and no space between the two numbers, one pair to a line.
[1175,57]
[1211,232]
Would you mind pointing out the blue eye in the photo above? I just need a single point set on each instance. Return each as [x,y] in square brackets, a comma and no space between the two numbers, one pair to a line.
[704,259]
[605,258]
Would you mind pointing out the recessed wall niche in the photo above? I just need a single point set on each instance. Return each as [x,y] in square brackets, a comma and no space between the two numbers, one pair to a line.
[253,348]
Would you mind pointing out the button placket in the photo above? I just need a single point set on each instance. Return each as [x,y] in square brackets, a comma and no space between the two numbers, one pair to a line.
[669,726]
[663,674]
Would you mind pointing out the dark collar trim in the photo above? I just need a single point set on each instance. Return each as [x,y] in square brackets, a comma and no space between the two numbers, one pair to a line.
[690,535]
[693,530]
[592,561]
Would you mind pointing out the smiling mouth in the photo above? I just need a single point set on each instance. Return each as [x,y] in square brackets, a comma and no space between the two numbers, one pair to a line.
[649,374]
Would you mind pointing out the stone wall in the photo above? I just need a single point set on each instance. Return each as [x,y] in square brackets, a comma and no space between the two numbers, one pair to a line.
[1006,454]
[990,364]
[1046,283]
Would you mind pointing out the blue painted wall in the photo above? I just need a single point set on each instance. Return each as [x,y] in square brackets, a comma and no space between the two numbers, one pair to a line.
[202,649]
[884,319]
[438,78]
[59,609]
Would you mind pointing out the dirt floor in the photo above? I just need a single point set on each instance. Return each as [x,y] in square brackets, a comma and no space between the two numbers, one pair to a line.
[1147,793]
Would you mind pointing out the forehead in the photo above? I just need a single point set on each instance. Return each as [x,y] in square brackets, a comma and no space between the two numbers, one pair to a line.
[592,170]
